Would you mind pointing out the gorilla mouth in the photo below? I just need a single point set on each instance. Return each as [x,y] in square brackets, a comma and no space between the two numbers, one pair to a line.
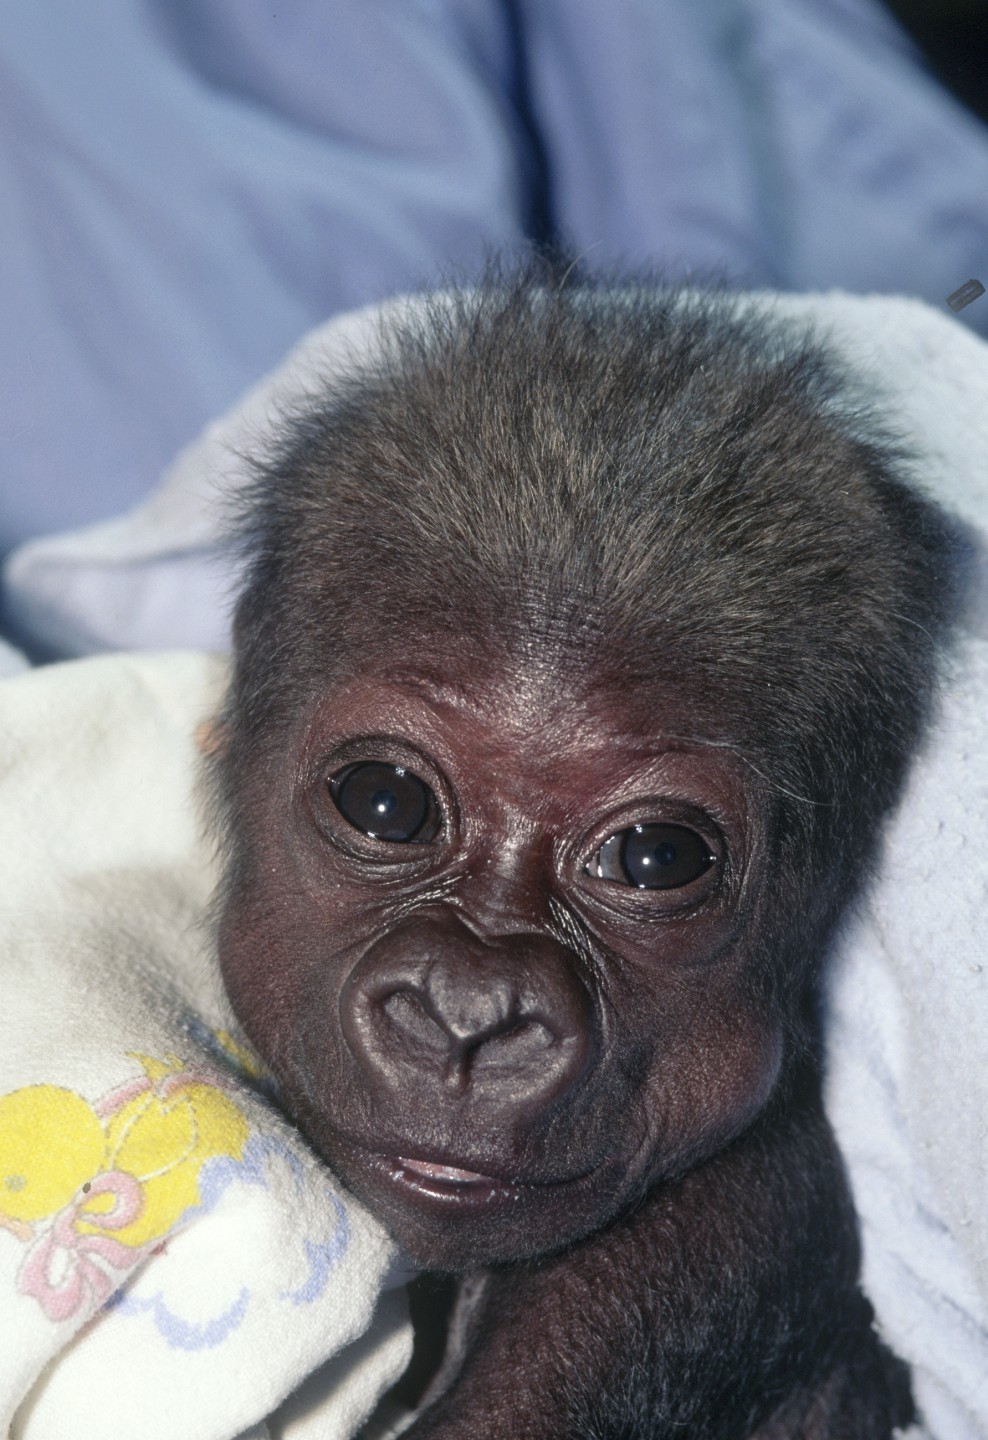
[449,1183]
[395,1184]
[429,1171]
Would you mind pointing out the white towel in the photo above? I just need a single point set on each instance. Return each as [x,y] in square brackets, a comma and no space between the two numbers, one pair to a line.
[908,1039]
[173,1260]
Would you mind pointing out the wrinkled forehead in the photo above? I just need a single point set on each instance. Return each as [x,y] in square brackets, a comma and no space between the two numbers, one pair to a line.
[567,695]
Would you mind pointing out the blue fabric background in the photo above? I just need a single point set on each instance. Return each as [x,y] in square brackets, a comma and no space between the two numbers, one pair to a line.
[186,186]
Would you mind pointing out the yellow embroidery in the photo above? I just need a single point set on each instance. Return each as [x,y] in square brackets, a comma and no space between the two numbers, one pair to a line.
[51,1143]
[54,1144]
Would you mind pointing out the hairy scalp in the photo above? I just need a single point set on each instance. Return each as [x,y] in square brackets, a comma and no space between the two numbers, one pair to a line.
[657,485]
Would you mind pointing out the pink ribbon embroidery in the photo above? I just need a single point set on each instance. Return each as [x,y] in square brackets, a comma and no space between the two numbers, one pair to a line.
[60,1269]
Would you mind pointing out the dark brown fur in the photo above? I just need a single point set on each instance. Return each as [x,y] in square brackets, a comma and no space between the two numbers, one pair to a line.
[570,512]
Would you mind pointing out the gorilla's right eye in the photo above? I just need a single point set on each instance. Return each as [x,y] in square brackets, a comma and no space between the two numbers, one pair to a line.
[653,857]
[386,802]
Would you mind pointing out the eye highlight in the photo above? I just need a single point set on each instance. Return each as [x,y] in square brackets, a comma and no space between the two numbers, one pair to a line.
[386,802]
[652,857]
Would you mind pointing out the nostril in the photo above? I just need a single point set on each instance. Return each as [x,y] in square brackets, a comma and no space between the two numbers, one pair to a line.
[514,1043]
[482,1040]
[413,1017]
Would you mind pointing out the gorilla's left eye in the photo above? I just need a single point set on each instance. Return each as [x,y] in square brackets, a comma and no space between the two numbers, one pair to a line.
[653,857]
[386,802]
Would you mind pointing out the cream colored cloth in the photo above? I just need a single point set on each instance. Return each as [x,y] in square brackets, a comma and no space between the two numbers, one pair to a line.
[173,1260]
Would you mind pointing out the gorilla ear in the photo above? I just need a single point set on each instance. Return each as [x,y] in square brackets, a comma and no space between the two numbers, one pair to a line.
[213,739]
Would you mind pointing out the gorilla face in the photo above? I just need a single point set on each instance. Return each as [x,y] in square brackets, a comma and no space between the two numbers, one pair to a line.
[496,941]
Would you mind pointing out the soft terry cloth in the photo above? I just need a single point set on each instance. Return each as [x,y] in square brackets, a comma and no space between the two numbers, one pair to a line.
[143,1180]
[908,1039]
[908,1086]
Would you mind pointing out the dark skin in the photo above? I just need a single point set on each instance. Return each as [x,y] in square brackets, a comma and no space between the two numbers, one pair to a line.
[585,640]
[511,1050]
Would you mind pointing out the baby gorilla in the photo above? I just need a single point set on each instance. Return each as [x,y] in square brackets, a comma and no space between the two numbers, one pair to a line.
[587,635]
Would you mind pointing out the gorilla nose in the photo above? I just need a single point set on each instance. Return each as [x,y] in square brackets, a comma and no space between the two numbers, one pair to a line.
[506,1019]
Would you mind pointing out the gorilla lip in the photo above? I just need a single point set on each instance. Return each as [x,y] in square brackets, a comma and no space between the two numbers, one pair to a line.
[428,1170]
[451,1183]
[450,1186]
